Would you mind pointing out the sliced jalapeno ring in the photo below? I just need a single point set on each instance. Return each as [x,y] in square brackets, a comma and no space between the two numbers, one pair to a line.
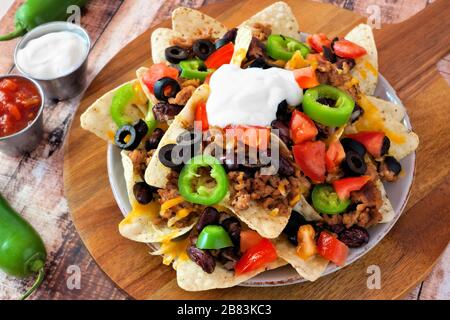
[325,200]
[335,116]
[283,48]
[202,194]
[194,69]
[122,97]
[166,88]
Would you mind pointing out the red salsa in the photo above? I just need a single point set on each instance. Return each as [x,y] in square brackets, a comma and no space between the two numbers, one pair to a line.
[19,104]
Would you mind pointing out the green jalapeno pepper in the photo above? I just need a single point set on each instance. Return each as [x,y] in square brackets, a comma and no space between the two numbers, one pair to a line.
[22,252]
[150,118]
[203,194]
[213,237]
[36,12]
[194,69]
[122,97]
[325,200]
[283,48]
[335,116]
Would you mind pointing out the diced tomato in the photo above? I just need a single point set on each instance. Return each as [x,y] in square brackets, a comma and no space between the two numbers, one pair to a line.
[256,257]
[310,156]
[306,77]
[332,249]
[253,136]
[201,117]
[249,239]
[302,128]
[372,140]
[220,57]
[318,41]
[334,156]
[156,72]
[347,49]
[344,186]
[315,57]
[9,85]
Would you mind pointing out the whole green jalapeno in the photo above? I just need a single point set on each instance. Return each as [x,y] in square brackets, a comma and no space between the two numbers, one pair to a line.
[22,251]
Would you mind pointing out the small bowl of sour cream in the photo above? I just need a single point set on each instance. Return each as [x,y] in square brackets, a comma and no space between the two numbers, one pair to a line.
[55,54]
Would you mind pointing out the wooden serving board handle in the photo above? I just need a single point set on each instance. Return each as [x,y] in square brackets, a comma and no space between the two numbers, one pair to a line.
[410,50]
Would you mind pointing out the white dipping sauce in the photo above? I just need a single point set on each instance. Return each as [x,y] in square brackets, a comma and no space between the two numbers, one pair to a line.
[53,55]
[249,96]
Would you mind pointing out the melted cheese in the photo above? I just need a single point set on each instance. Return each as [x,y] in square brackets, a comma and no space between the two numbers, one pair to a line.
[295,200]
[171,203]
[371,68]
[173,250]
[297,62]
[181,214]
[371,120]
[150,210]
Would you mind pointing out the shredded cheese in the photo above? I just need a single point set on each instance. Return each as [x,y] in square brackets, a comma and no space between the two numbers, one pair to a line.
[138,210]
[171,203]
[181,214]
[297,62]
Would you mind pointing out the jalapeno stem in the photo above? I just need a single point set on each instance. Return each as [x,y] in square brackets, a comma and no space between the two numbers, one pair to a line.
[36,284]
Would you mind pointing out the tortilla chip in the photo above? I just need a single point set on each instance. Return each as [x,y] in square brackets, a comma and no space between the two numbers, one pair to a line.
[280,17]
[403,140]
[366,68]
[189,22]
[156,173]
[97,118]
[386,209]
[191,277]
[160,40]
[262,220]
[396,111]
[310,269]
[307,210]
[140,74]
[241,45]
[138,225]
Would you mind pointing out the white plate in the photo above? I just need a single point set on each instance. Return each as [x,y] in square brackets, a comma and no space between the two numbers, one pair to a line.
[397,192]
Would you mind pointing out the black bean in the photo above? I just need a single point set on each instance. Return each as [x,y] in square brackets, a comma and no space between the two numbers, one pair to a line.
[228,37]
[233,226]
[393,165]
[294,223]
[286,168]
[283,112]
[283,131]
[354,237]
[209,216]
[385,146]
[143,192]
[202,258]
[164,111]
[155,138]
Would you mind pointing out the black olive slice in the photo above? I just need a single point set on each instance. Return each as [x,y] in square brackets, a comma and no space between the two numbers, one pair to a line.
[385,146]
[393,165]
[203,48]
[143,192]
[353,164]
[166,88]
[353,145]
[175,54]
[169,159]
[126,138]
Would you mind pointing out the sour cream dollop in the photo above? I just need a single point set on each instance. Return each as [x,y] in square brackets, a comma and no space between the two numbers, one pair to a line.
[249,96]
[52,55]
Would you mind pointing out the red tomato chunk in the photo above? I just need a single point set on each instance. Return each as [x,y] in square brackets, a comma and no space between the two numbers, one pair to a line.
[19,104]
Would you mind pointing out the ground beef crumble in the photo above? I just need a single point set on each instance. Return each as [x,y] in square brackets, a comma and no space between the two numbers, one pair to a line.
[329,73]
[261,31]
[265,190]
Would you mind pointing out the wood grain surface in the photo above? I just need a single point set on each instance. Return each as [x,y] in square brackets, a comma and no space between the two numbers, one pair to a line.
[33,183]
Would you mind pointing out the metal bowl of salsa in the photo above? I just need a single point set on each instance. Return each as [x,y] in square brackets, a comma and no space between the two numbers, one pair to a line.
[21,110]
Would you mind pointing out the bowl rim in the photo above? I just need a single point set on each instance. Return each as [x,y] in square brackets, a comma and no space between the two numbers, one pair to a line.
[61,26]
[41,108]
